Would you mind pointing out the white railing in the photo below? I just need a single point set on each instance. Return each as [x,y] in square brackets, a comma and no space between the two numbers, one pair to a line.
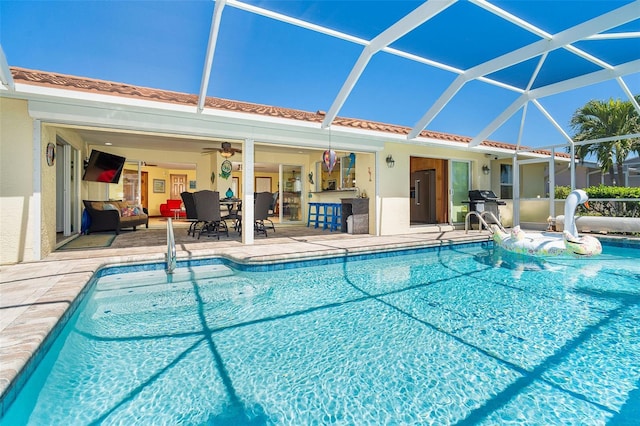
[171,248]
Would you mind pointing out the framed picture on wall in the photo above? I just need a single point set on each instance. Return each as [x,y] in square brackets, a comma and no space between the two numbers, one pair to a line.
[192,184]
[263,184]
[158,186]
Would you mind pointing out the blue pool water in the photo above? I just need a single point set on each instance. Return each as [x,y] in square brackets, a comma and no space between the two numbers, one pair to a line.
[467,335]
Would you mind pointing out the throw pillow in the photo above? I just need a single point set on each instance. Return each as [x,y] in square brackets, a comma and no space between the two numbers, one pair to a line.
[127,212]
[137,210]
[109,206]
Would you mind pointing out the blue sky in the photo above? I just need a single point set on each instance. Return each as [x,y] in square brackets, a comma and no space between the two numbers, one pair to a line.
[162,44]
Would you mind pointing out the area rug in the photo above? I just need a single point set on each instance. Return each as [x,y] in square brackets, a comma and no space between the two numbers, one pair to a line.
[89,241]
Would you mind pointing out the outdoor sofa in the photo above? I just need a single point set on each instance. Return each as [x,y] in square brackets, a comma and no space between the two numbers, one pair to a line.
[113,216]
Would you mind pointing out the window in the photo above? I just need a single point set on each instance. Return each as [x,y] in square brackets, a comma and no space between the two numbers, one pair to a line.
[343,175]
[506,181]
[348,171]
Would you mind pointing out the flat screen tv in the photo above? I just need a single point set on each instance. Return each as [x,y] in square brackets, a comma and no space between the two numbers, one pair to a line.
[103,167]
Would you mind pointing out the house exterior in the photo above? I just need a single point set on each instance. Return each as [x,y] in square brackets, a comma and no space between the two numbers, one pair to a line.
[50,123]
[590,174]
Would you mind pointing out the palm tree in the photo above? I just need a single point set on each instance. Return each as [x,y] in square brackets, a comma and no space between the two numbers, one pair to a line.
[600,119]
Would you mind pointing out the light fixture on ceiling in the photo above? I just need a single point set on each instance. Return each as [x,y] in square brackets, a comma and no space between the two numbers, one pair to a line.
[486,169]
[226,150]
[390,161]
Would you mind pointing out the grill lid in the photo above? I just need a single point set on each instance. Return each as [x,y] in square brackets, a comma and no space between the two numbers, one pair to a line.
[482,194]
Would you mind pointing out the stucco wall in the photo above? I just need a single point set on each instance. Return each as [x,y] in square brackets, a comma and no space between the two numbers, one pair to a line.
[532,181]
[17,170]
[16,182]
[48,182]
[534,210]
[394,182]
[563,175]
[157,198]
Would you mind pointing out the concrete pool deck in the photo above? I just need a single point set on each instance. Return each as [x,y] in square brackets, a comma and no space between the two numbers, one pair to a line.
[34,296]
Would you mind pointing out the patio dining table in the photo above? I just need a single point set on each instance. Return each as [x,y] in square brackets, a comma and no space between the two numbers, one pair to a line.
[233,206]
[230,202]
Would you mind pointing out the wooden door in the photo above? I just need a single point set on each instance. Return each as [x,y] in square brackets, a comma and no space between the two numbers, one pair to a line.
[423,197]
[178,186]
[441,183]
[144,189]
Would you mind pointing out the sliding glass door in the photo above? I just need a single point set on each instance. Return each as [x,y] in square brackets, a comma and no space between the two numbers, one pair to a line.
[67,188]
[290,199]
[460,184]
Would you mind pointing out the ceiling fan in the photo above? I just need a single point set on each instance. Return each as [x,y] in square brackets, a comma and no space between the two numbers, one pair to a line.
[225,150]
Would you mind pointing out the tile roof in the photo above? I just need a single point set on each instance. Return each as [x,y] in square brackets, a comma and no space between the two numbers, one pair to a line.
[50,79]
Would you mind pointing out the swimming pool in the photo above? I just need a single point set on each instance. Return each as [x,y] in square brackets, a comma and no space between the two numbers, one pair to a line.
[464,335]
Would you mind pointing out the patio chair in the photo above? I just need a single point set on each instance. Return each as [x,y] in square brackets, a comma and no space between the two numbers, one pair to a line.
[208,211]
[264,201]
[273,209]
[192,214]
[261,207]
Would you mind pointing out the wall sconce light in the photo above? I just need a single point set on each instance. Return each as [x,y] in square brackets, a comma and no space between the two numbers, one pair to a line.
[390,161]
[486,169]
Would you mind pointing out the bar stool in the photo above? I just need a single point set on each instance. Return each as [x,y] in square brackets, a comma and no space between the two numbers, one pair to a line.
[328,214]
[335,222]
[317,214]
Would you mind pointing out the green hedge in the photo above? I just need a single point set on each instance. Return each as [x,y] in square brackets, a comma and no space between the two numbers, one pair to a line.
[606,208]
[601,191]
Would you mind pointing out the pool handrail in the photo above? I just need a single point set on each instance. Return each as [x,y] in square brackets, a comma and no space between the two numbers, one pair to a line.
[483,222]
[171,248]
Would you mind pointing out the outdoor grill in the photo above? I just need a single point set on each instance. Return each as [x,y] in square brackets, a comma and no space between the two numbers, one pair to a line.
[484,200]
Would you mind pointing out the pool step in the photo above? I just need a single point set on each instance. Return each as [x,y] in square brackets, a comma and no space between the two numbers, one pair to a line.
[146,281]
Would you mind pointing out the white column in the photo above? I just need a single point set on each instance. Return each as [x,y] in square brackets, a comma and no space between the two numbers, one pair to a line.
[552,183]
[77,194]
[67,188]
[516,191]
[139,185]
[35,210]
[573,167]
[248,190]
[377,198]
